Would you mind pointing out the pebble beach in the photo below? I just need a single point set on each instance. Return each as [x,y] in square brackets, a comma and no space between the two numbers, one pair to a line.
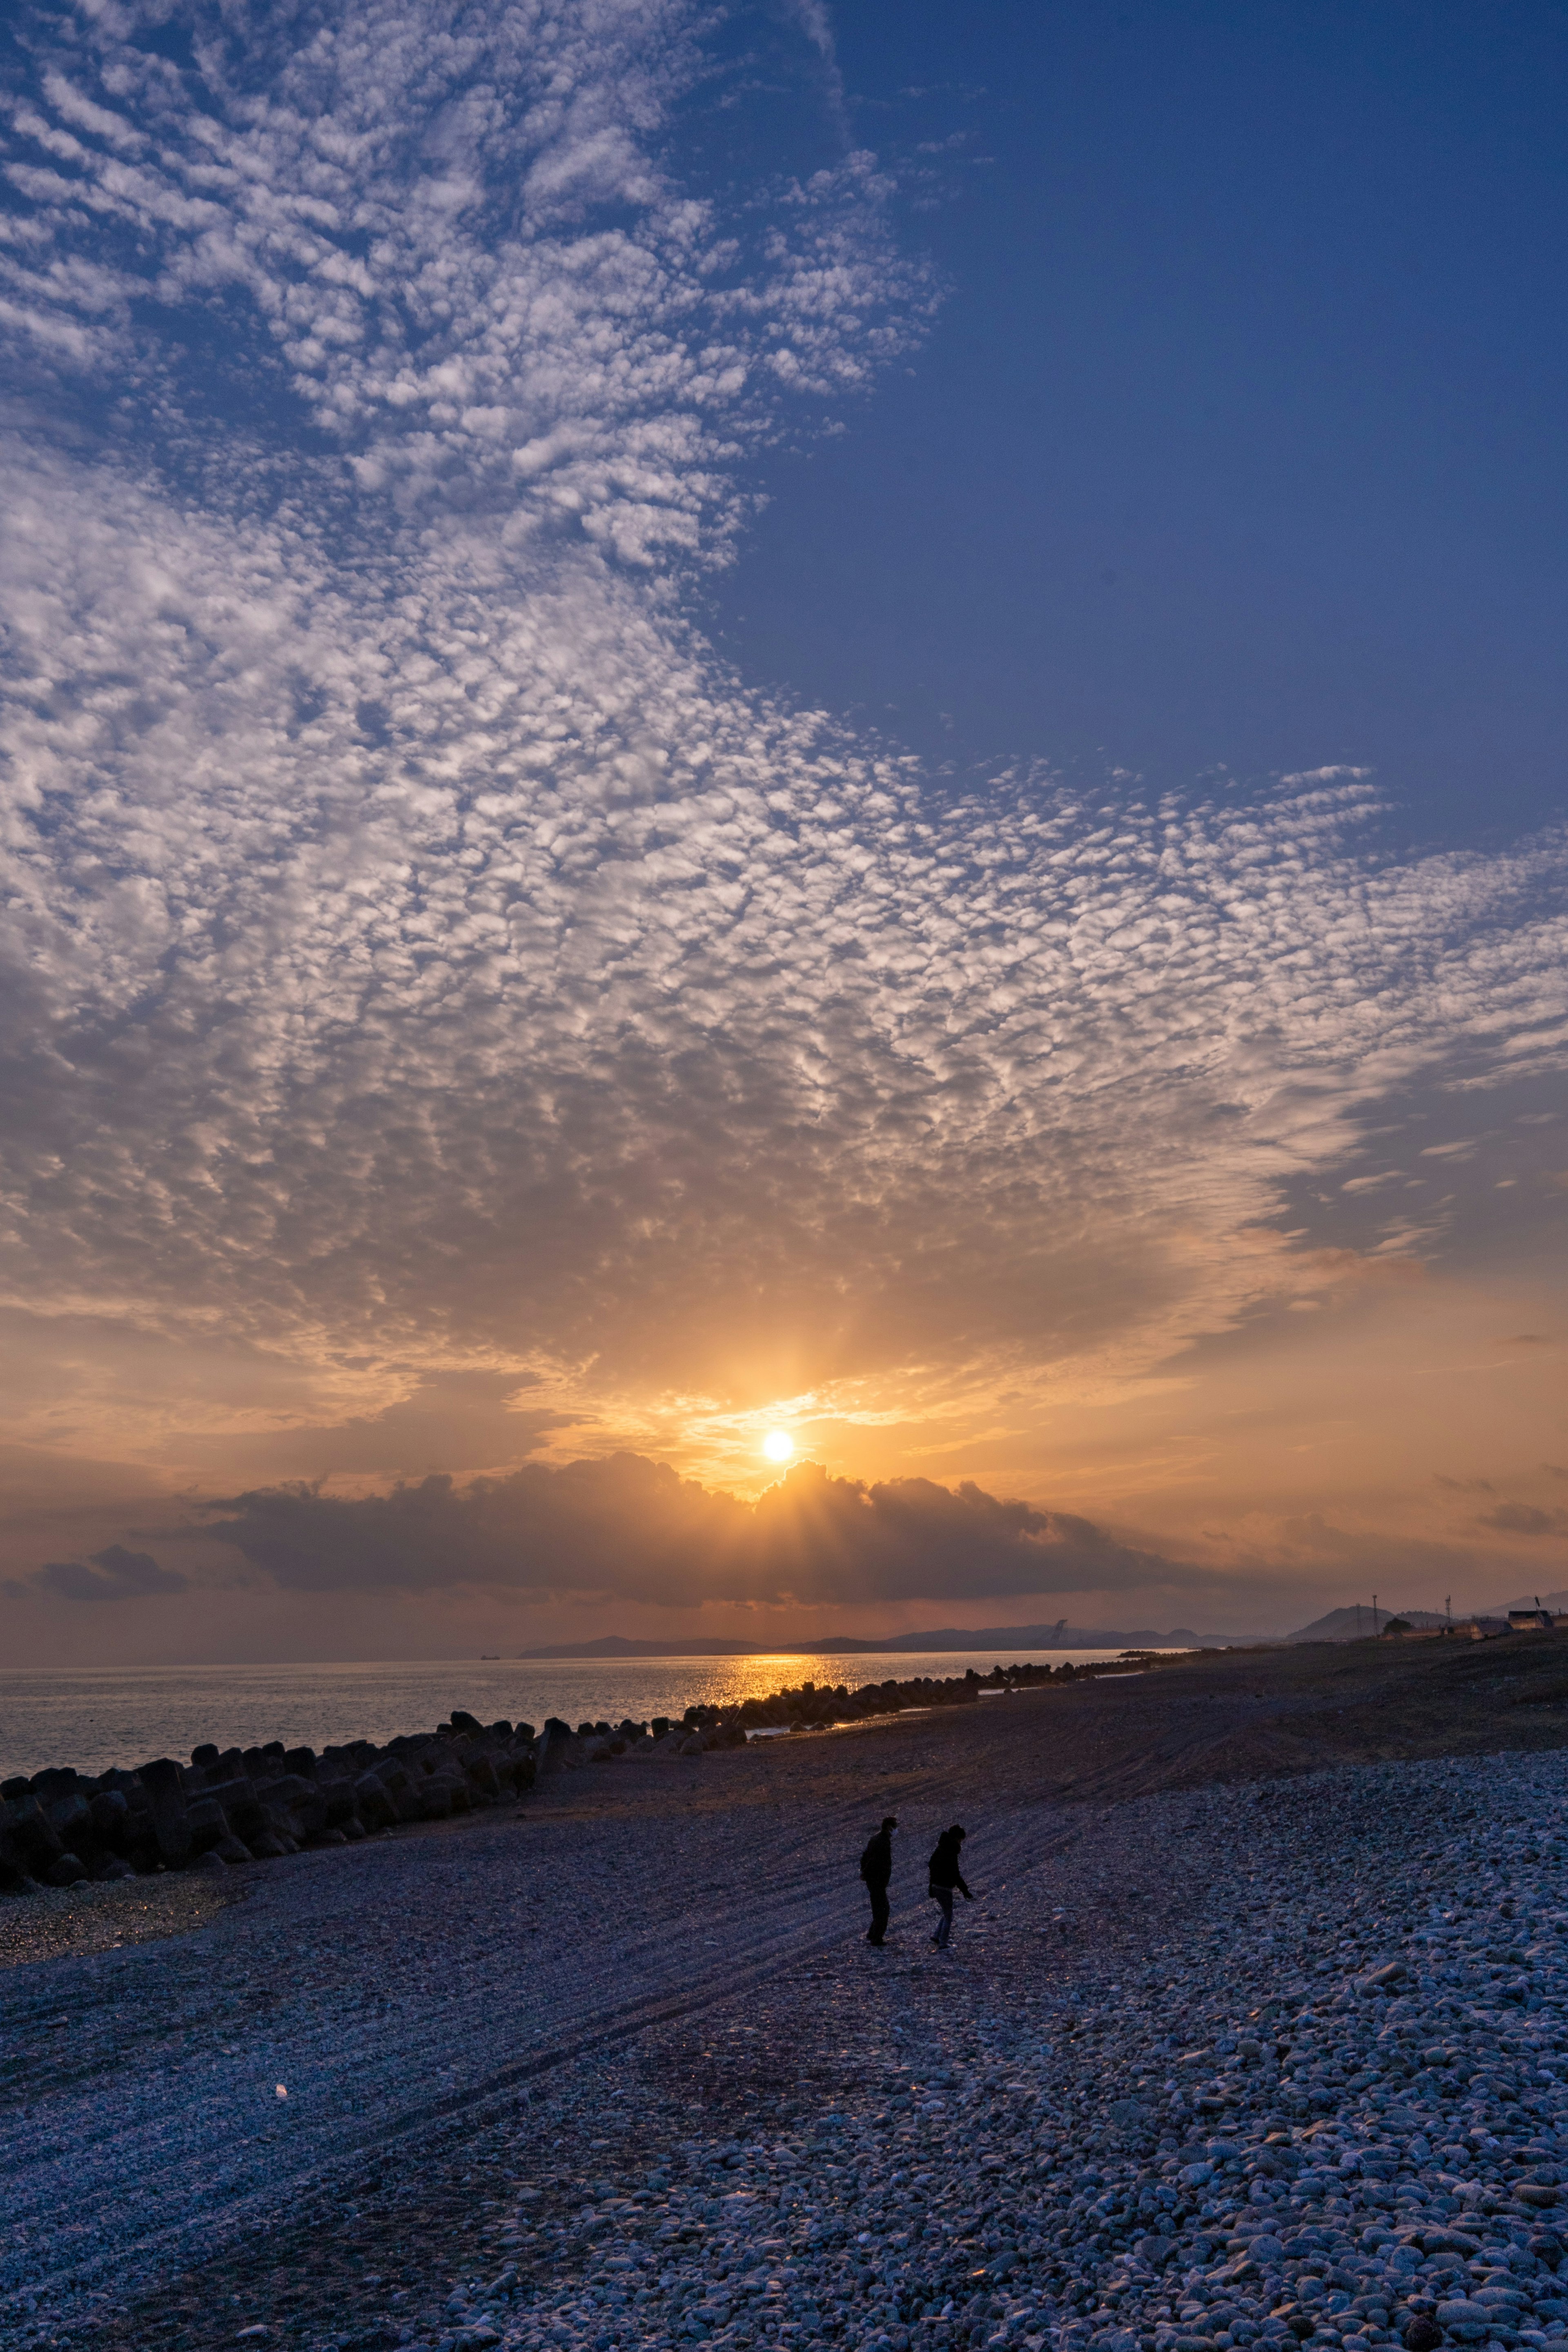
[1257,2058]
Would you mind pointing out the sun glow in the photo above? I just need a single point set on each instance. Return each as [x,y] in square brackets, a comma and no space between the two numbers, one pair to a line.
[779,1445]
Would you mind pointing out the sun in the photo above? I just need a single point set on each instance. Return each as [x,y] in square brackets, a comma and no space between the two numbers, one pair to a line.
[779,1445]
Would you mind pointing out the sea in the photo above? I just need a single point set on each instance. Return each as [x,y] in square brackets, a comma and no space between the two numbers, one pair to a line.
[99,1716]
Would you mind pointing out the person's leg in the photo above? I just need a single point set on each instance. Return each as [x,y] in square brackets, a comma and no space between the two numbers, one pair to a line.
[879,1914]
[943,1898]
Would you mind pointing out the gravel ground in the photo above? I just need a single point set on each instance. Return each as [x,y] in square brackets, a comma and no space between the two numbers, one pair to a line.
[619,2071]
[100,1918]
[1315,2120]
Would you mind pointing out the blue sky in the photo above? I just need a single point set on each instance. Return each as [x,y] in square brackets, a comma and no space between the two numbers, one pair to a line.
[1238,441]
[733,724]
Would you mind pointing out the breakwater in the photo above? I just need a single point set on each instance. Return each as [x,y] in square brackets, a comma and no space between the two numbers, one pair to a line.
[93,1716]
[230,1806]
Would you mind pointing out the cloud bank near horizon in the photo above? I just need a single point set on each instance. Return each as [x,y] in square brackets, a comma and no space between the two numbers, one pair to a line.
[423,955]
[112,1574]
[626,1529]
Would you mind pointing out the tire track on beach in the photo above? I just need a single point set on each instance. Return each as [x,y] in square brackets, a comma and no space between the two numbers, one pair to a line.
[171,2180]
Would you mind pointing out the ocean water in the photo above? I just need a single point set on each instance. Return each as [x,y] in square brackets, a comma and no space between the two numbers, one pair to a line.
[96,1716]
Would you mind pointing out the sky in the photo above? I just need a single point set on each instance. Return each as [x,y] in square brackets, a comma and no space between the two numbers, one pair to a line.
[736,724]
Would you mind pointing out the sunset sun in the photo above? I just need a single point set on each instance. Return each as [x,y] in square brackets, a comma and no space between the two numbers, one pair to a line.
[779,1445]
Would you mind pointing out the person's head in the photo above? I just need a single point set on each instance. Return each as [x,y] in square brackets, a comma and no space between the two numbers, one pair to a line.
[956,1834]
[889,1821]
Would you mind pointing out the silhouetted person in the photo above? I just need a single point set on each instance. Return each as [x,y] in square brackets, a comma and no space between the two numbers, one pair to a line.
[876,1869]
[945,1875]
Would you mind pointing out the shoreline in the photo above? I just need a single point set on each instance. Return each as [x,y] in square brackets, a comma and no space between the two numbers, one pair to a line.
[102,1718]
[618,2074]
[230,1807]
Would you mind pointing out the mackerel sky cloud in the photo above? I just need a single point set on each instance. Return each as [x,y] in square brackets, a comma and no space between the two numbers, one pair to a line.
[456,1020]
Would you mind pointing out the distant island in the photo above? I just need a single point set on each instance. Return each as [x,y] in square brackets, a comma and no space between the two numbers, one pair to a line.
[1347,1624]
[1059,1636]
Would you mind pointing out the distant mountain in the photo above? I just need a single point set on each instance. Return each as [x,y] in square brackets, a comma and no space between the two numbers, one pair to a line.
[1351,1623]
[1355,1624]
[616,1645]
[1059,1636]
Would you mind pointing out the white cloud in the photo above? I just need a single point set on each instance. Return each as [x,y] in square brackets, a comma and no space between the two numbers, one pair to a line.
[421,945]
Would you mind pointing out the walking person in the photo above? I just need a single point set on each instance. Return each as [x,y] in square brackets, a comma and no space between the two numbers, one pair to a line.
[947,1877]
[876,1869]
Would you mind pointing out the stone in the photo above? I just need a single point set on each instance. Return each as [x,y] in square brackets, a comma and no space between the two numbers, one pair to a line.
[285,1789]
[71,1818]
[1469,2321]
[66,1872]
[307,1816]
[374,1806]
[111,1812]
[212,1864]
[231,1790]
[168,1811]
[558,1748]
[338,1802]
[207,1825]
[28,1841]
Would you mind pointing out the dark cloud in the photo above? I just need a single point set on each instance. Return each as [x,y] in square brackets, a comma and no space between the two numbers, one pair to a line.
[629,1529]
[113,1574]
[1524,1519]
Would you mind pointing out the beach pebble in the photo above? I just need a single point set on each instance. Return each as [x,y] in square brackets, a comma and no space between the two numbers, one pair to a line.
[1297,2074]
[1327,2117]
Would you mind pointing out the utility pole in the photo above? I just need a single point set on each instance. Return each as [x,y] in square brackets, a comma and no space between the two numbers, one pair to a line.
[1375,1613]
[1448,1607]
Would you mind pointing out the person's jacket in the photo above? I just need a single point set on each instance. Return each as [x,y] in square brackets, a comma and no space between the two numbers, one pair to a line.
[876,1861]
[944,1870]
